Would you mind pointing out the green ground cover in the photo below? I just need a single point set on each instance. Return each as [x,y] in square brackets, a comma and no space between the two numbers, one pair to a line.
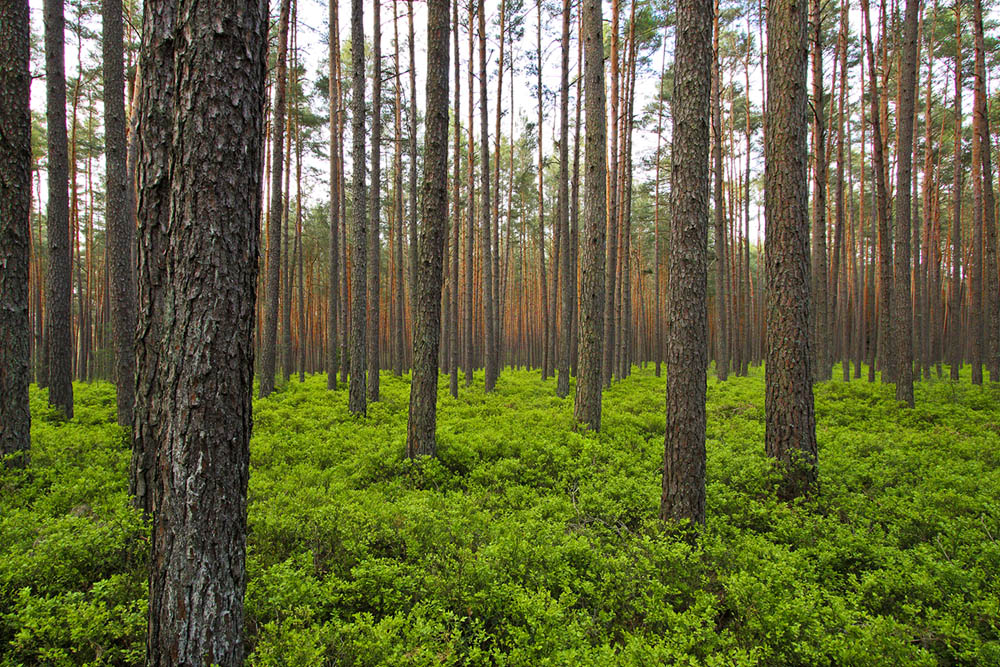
[526,543]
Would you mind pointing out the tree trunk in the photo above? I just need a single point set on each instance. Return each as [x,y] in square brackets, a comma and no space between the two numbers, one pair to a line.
[903,319]
[59,316]
[991,297]
[568,292]
[821,329]
[954,340]
[427,321]
[273,289]
[587,407]
[120,226]
[721,256]
[489,318]
[457,220]
[374,230]
[333,307]
[194,350]
[687,290]
[15,232]
[790,431]
[359,230]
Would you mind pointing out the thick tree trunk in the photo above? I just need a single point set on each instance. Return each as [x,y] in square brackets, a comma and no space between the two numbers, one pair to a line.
[58,305]
[587,407]
[359,230]
[273,289]
[903,318]
[687,290]
[15,232]
[790,431]
[194,350]
[427,321]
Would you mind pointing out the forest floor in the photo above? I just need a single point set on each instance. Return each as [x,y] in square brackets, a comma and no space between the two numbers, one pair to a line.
[527,543]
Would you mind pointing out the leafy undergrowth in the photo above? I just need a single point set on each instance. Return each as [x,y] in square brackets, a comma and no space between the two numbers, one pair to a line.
[526,543]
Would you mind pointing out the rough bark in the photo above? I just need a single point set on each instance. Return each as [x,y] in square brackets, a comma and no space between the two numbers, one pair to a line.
[15,232]
[273,289]
[687,288]
[120,225]
[903,317]
[790,429]
[427,317]
[58,305]
[587,406]
[991,297]
[201,133]
[359,230]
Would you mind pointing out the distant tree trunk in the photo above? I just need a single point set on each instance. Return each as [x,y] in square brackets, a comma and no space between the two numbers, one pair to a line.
[721,256]
[574,210]
[611,265]
[687,290]
[273,290]
[58,306]
[790,432]
[955,283]
[544,285]
[470,232]
[457,221]
[568,292]
[843,235]
[427,321]
[397,332]
[333,312]
[15,232]
[120,224]
[657,253]
[976,304]
[587,407]
[374,242]
[489,320]
[884,345]
[194,350]
[991,297]
[821,328]
[359,231]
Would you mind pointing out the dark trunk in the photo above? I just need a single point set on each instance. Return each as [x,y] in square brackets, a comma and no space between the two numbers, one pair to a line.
[427,317]
[15,232]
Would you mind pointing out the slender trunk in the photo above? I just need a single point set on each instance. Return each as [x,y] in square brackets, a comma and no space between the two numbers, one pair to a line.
[568,293]
[333,331]
[587,407]
[375,226]
[273,289]
[721,261]
[489,320]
